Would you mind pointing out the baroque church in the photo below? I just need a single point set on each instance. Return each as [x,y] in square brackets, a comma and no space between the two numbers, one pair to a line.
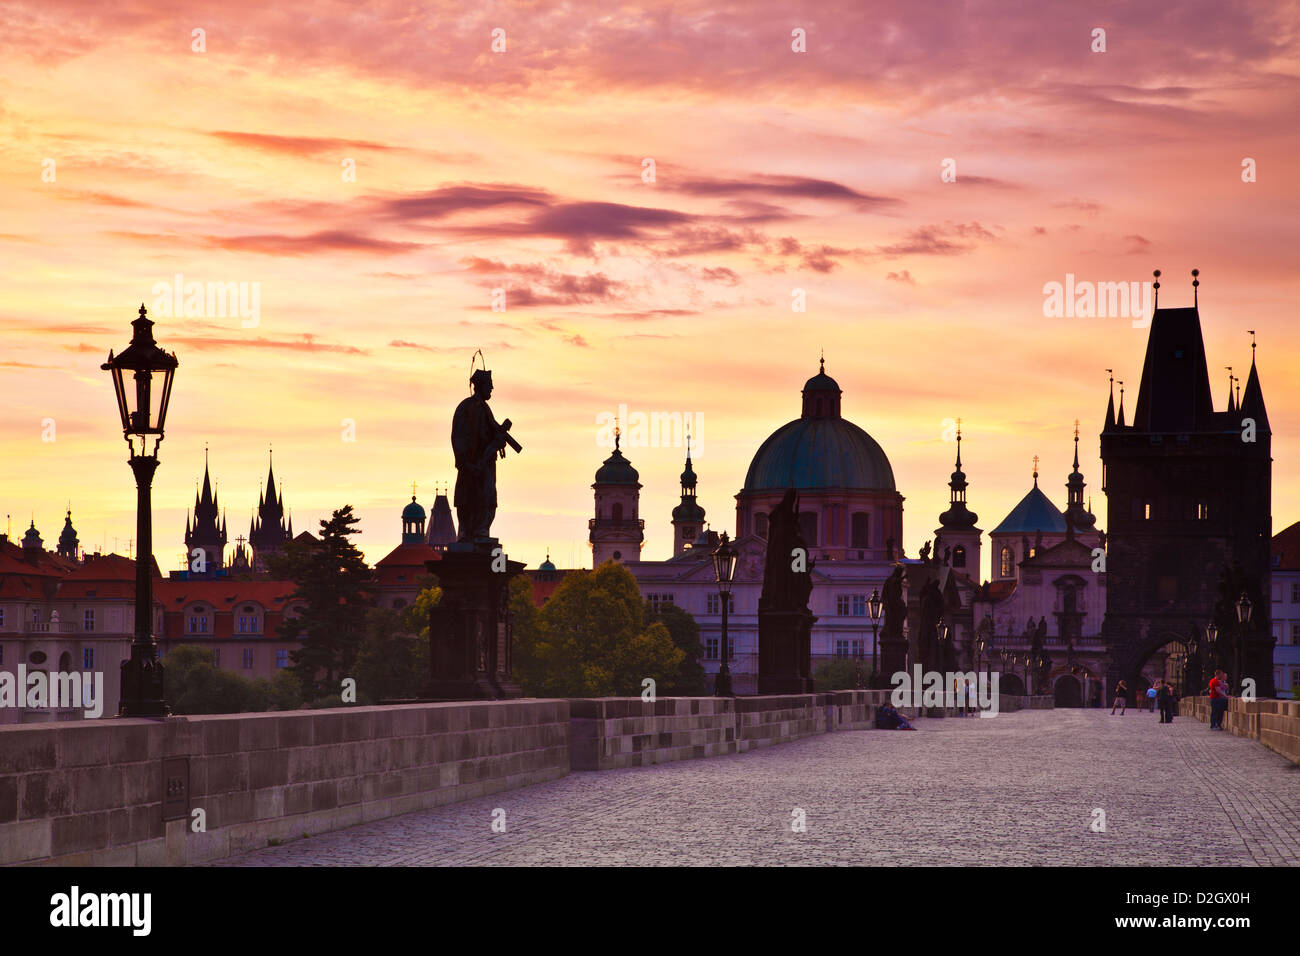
[852,517]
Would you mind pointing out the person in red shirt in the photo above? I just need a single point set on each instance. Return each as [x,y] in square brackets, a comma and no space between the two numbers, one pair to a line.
[1218,700]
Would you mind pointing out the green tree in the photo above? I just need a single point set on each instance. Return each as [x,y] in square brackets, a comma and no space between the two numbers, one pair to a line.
[689,680]
[196,685]
[592,639]
[839,674]
[394,659]
[333,584]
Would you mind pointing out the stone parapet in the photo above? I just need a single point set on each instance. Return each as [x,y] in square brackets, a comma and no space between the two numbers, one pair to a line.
[1274,723]
[93,792]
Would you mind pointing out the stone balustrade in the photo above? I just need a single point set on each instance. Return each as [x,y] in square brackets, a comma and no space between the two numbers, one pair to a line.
[1274,723]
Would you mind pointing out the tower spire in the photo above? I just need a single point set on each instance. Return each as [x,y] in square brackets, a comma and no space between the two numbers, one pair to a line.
[1035,471]
[1119,423]
[1155,292]
[1110,404]
[1195,285]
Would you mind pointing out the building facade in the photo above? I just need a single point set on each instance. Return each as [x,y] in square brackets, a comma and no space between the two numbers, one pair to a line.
[1188,493]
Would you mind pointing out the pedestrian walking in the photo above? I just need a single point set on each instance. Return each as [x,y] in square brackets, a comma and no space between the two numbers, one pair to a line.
[1218,699]
[1121,699]
[1152,693]
[1162,699]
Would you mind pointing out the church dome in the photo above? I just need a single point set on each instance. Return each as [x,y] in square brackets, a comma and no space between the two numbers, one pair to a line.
[1034,513]
[617,470]
[820,450]
[414,511]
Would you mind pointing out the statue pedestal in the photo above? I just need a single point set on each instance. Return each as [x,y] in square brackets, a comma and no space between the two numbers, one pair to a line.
[784,651]
[470,641]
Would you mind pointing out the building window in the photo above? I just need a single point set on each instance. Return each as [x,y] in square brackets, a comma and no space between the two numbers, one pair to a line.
[1146,511]
[198,622]
[282,657]
[856,647]
[859,605]
[959,557]
[858,530]
[1295,599]
[1202,511]
[713,604]
[88,620]
[688,534]
[711,648]
[841,648]
[656,600]
[2,653]
[808,527]
[87,658]
[842,605]
[618,511]
[2,617]
[1295,634]
[248,659]
[1007,564]
[760,524]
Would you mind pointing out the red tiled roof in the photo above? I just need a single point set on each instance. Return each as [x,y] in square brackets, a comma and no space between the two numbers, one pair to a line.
[1000,589]
[409,556]
[223,595]
[1286,546]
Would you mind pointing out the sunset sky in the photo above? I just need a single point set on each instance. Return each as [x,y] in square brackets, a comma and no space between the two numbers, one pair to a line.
[523,170]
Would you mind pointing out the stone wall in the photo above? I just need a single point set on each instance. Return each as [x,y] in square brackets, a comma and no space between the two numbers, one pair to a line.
[1274,723]
[92,792]
[611,733]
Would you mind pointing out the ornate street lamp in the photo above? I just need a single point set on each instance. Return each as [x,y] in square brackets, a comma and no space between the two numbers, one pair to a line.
[1243,620]
[1212,647]
[724,567]
[874,606]
[142,402]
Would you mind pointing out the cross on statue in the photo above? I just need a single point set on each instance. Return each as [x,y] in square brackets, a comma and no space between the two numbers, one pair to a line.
[413,487]
[239,540]
[1035,464]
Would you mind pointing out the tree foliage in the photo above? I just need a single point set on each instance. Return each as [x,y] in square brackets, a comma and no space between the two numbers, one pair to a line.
[333,584]
[393,662]
[591,639]
[690,679]
[194,684]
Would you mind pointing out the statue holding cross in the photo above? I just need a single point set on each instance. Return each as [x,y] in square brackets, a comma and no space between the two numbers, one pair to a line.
[477,440]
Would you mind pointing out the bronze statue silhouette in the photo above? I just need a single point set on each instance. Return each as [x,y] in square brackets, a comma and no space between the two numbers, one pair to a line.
[476,440]
[785,589]
[895,606]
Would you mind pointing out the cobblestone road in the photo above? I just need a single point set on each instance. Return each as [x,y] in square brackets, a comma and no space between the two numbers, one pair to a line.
[1021,788]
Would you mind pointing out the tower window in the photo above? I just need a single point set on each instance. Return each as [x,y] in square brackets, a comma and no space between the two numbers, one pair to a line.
[859,530]
[1202,511]
[959,557]
[1006,563]
[760,524]
[1146,511]
[618,555]
[618,511]
[688,534]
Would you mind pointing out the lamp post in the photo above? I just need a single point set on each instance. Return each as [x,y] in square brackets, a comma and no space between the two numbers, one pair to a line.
[724,567]
[874,606]
[142,403]
[1191,665]
[1243,621]
[1212,648]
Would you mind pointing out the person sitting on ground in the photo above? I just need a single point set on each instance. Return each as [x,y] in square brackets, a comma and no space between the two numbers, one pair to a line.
[888,718]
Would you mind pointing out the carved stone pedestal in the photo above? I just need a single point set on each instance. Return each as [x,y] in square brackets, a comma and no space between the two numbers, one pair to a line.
[470,641]
[784,651]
